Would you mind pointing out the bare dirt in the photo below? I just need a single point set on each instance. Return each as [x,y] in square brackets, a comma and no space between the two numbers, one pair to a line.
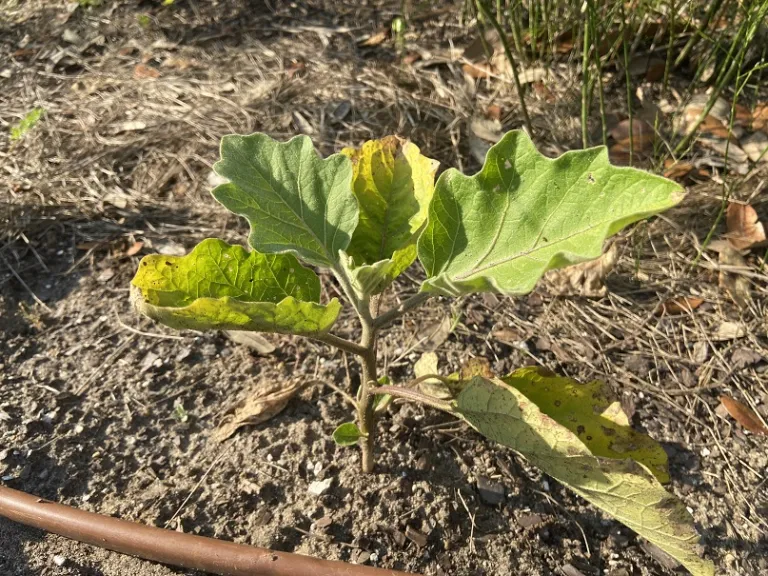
[105,411]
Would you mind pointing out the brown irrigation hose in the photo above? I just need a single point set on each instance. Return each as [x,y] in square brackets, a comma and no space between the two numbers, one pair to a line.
[169,547]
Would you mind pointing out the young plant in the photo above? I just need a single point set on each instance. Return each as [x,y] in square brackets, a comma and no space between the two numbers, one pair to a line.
[366,215]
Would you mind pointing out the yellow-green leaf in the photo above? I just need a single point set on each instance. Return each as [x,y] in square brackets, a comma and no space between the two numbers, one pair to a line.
[224,287]
[393,183]
[590,411]
[625,489]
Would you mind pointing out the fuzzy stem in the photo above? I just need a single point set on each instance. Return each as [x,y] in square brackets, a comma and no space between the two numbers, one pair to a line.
[365,407]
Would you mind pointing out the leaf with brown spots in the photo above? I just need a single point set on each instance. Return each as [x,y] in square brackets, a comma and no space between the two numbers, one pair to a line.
[744,415]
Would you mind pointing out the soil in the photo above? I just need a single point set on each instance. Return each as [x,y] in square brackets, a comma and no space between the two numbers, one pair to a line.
[105,411]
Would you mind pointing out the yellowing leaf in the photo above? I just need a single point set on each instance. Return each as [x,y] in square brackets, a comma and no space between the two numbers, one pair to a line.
[625,489]
[589,411]
[393,183]
[524,214]
[223,287]
[293,200]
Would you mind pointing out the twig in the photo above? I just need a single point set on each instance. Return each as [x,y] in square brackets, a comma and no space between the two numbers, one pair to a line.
[199,483]
[25,285]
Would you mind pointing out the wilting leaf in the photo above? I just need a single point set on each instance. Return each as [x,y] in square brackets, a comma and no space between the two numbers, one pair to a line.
[624,489]
[744,415]
[262,403]
[19,130]
[592,413]
[223,287]
[293,200]
[347,434]
[524,214]
[744,227]
[393,183]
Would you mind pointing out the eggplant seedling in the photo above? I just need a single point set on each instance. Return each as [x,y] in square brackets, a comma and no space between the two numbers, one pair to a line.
[366,215]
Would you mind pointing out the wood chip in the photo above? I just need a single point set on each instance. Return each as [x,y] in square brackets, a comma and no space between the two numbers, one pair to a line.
[744,415]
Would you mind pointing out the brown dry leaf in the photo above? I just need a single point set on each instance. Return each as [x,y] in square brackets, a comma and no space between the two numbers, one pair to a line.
[744,415]
[760,117]
[296,69]
[744,227]
[681,305]
[641,132]
[263,402]
[543,92]
[677,170]
[736,285]
[494,111]
[756,146]
[436,334]
[377,38]
[729,331]
[585,279]
[479,71]
[252,340]
[133,249]
[507,335]
[142,71]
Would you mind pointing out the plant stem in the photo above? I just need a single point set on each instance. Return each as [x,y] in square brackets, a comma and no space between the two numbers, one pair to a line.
[365,405]
[391,315]
[585,85]
[512,64]
[408,394]
[341,343]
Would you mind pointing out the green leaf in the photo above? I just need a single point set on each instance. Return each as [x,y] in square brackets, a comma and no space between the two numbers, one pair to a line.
[590,411]
[223,287]
[625,489]
[347,434]
[294,201]
[19,130]
[524,214]
[370,279]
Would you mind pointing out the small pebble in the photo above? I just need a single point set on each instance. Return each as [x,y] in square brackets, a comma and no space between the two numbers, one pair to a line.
[320,487]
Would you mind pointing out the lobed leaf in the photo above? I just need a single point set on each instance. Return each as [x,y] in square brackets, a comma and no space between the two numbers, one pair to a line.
[224,287]
[625,489]
[293,200]
[393,183]
[589,411]
[524,214]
